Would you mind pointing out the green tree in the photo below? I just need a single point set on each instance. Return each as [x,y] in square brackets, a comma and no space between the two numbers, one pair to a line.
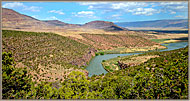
[16,82]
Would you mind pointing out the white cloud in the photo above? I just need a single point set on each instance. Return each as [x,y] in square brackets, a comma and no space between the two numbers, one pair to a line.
[180,16]
[13,5]
[92,3]
[174,6]
[58,12]
[177,7]
[171,3]
[165,7]
[143,11]
[89,14]
[128,5]
[116,15]
[51,18]
[54,18]
[35,16]
[119,6]
[86,12]
[172,12]
[21,5]
[32,8]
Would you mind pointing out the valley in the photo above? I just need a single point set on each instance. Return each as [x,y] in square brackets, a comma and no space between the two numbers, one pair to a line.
[95,60]
[49,46]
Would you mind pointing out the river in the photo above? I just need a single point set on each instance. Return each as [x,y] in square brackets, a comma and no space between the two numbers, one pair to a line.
[95,66]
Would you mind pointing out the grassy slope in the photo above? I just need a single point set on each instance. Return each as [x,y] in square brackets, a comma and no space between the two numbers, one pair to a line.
[43,52]
[163,77]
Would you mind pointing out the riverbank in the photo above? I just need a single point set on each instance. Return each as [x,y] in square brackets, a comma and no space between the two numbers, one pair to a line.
[123,50]
[162,41]
[173,41]
[134,60]
[96,67]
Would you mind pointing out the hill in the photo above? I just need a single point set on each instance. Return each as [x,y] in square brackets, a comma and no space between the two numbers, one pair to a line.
[108,26]
[177,23]
[15,20]
[48,55]
[56,22]
[62,24]
[109,42]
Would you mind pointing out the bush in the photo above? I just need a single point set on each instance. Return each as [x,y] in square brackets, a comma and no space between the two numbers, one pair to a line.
[16,82]
[96,54]
[101,53]
[107,67]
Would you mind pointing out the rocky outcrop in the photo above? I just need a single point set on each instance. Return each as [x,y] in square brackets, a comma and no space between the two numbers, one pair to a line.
[123,65]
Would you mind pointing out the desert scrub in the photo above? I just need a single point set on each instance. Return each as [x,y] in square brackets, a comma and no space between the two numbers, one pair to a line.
[39,48]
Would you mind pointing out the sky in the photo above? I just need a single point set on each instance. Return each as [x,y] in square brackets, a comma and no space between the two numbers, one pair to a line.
[83,12]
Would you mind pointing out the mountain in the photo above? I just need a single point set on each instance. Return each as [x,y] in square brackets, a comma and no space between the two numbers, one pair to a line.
[15,20]
[61,24]
[176,23]
[109,26]
[56,22]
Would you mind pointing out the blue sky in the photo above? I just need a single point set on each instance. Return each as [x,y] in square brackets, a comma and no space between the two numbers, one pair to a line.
[83,12]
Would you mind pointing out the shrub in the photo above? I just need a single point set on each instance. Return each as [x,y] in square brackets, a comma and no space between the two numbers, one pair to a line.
[96,54]
[16,82]
[101,53]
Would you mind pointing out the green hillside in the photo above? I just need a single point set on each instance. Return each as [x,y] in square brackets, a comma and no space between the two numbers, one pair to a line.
[163,77]
[49,55]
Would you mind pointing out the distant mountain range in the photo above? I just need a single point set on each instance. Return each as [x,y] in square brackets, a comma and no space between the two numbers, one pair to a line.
[176,23]
[14,20]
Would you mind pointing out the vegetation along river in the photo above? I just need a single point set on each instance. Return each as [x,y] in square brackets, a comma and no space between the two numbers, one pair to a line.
[95,66]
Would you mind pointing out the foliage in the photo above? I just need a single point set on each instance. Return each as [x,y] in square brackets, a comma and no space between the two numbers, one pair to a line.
[42,48]
[164,77]
[15,81]
[96,54]
[45,52]
[101,53]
